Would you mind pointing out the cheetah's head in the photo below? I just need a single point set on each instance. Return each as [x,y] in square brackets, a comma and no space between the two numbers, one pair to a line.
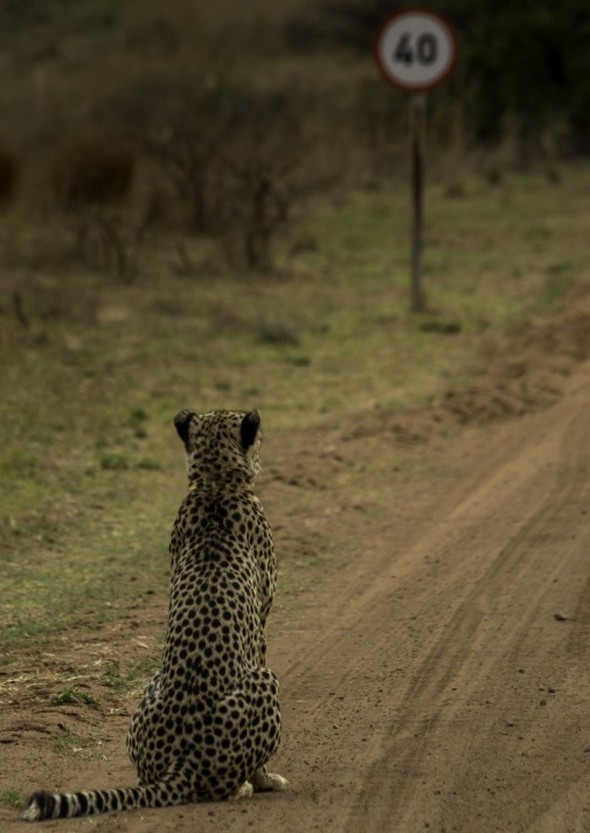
[221,446]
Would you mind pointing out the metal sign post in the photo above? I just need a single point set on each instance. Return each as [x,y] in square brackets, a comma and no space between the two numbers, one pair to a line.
[417,132]
[415,51]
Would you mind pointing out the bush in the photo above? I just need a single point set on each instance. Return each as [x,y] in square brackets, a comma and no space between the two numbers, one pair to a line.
[183,128]
[89,170]
[107,238]
[231,153]
[91,182]
[259,178]
[255,204]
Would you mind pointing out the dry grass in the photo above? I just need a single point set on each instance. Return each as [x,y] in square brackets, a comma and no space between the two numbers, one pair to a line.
[131,323]
[95,370]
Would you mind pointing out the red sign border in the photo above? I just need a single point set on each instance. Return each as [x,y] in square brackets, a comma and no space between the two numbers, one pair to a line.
[400,85]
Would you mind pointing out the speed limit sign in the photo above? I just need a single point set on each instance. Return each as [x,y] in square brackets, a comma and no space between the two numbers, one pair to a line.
[416,50]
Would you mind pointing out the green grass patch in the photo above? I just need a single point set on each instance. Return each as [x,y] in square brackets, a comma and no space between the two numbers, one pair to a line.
[68,744]
[134,677]
[12,798]
[91,470]
[71,696]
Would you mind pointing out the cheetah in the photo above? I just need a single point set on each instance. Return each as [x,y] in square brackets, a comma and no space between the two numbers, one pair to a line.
[209,720]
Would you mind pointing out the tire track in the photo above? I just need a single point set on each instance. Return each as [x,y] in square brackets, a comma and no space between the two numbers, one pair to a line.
[459,657]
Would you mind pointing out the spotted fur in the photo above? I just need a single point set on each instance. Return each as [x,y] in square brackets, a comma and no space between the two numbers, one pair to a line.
[209,720]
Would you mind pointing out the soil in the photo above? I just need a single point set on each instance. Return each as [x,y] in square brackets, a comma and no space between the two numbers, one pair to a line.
[437,676]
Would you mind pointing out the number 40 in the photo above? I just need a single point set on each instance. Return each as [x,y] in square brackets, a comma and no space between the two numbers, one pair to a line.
[424,52]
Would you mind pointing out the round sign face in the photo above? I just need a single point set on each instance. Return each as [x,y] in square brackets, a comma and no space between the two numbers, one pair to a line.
[416,50]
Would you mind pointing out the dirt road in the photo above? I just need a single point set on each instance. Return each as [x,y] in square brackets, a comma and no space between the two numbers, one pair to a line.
[440,681]
[446,686]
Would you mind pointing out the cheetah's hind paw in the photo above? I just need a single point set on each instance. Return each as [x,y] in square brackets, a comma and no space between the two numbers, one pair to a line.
[268,781]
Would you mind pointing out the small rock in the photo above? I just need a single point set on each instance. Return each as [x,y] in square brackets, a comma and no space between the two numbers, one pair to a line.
[560,617]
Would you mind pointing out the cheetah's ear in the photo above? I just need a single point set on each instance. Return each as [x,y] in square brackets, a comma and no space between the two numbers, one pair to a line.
[249,428]
[181,423]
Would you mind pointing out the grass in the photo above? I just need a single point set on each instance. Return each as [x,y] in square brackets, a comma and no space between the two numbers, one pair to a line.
[12,798]
[68,744]
[71,696]
[91,472]
[135,677]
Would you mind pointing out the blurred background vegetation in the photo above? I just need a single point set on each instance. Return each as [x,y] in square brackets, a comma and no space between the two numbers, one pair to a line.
[128,118]
[524,67]
[206,204]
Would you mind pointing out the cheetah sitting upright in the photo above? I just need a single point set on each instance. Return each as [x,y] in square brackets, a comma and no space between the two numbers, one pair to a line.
[209,720]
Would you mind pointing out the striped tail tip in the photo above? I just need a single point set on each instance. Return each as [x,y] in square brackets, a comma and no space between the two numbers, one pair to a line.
[41,805]
[46,805]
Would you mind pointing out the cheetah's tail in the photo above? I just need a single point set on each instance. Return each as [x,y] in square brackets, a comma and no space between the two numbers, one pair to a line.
[46,805]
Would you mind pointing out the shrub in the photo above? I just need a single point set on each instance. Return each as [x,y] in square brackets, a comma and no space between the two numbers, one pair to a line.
[254,209]
[231,154]
[184,133]
[89,170]
[108,238]
[259,178]
[92,180]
